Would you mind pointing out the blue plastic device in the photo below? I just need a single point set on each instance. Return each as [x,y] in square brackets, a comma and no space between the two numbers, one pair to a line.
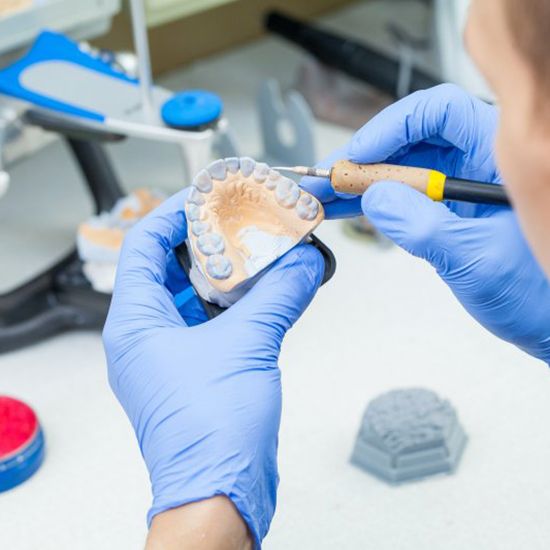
[20,467]
[192,109]
[21,443]
[52,46]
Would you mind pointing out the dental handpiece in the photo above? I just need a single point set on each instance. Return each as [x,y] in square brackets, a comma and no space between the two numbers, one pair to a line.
[355,179]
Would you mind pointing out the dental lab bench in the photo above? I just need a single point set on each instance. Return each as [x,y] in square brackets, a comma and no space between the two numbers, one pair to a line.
[93,487]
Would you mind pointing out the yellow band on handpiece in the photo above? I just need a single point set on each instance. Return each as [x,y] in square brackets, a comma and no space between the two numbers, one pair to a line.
[436,185]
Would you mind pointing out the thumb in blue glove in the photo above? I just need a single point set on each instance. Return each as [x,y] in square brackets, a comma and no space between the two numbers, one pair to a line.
[485,261]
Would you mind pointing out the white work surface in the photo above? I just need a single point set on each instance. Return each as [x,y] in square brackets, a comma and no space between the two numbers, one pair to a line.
[385,321]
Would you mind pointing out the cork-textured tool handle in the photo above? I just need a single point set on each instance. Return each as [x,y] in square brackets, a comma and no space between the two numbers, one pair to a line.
[355,179]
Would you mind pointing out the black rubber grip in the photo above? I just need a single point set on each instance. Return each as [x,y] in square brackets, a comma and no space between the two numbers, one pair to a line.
[348,56]
[476,192]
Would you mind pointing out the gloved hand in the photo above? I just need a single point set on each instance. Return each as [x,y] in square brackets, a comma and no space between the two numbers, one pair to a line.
[479,251]
[204,401]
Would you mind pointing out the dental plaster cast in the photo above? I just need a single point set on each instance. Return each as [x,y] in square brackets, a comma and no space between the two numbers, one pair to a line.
[12,6]
[242,216]
[99,239]
[408,435]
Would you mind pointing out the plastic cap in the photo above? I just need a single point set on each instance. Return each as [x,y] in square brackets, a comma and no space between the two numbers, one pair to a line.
[192,109]
[21,442]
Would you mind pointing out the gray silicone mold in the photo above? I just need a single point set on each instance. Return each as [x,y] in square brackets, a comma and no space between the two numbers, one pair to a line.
[409,434]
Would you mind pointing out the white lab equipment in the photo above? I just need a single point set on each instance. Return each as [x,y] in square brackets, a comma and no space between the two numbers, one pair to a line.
[456,65]
[79,18]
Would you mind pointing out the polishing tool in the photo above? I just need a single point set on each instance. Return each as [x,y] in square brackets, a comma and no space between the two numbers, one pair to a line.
[355,179]
[21,442]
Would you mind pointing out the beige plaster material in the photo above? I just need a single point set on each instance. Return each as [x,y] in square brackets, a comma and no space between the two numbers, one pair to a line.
[105,237]
[11,6]
[99,239]
[106,231]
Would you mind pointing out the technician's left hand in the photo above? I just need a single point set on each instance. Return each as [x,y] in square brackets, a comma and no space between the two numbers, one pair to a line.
[204,401]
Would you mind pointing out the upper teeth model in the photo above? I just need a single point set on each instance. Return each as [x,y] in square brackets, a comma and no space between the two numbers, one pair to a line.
[242,216]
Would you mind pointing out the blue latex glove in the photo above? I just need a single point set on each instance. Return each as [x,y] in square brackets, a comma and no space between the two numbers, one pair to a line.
[204,401]
[479,251]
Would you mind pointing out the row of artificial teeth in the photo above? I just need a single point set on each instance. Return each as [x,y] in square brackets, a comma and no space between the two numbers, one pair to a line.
[218,169]
[287,192]
[210,244]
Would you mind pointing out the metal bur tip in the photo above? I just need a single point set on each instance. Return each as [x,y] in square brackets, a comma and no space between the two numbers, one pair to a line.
[305,171]
[287,168]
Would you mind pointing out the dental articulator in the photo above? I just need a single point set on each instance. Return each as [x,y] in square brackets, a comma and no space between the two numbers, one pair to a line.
[77,92]
[70,89]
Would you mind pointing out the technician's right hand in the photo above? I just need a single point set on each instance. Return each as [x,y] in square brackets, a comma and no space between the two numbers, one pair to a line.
[204,400]
[479,251]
